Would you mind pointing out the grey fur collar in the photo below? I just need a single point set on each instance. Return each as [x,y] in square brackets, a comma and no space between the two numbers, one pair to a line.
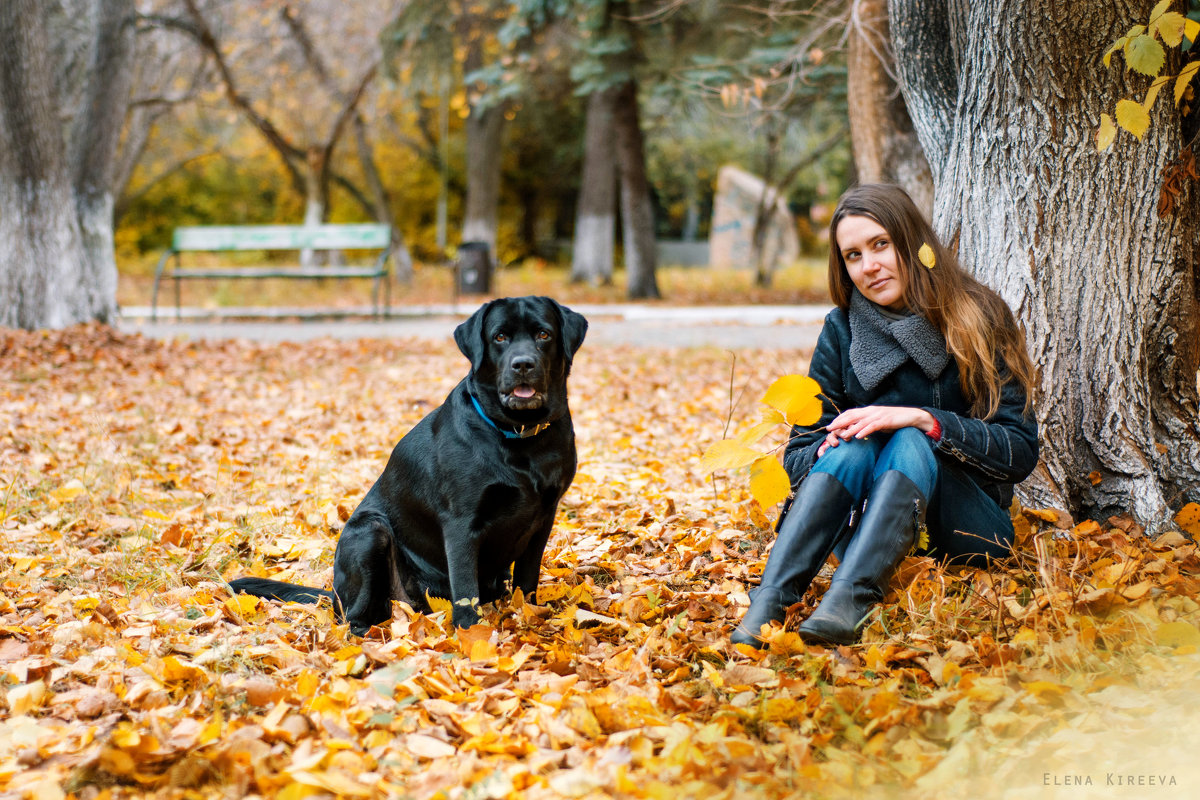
[878,346]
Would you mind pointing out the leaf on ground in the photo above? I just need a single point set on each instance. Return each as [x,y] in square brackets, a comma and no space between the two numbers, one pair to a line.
[1188,518]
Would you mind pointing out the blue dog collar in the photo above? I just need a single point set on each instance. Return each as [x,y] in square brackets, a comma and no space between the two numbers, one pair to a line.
[524,432]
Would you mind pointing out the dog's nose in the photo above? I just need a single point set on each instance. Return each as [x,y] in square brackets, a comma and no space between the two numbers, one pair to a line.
[523,363]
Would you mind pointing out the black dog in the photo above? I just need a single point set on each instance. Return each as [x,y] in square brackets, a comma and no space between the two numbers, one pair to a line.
[468,497]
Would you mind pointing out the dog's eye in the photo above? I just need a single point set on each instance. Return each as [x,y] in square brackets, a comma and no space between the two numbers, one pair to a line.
[500,338]
[543,336]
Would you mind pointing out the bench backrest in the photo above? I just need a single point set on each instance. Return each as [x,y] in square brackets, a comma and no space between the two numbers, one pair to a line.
[282,237]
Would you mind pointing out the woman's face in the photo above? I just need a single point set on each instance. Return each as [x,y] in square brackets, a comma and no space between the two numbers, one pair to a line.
[872,261]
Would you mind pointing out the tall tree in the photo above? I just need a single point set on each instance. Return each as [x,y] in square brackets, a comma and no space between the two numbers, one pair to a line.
[637,208]
[596,209]
[885,145]
[56,233]
[1005,96]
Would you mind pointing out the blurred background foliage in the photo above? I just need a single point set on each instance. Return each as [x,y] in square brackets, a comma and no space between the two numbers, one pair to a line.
[757,84]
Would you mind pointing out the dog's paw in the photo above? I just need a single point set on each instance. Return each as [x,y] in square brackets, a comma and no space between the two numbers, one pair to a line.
[466,612]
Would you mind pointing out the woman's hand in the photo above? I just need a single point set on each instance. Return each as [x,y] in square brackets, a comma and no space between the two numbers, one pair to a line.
[858,423]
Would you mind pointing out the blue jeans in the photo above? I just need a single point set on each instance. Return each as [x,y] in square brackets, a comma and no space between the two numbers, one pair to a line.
[965,525]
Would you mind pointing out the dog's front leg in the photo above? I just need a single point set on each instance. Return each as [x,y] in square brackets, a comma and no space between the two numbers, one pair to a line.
[462,561]
[528,567]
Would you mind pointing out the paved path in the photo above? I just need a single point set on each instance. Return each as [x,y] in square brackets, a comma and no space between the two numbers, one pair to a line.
[782,327]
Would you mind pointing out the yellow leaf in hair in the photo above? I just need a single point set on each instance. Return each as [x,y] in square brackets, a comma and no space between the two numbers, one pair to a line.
[926,255]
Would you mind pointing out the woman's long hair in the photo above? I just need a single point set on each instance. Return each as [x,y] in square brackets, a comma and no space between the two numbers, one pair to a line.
[980,330]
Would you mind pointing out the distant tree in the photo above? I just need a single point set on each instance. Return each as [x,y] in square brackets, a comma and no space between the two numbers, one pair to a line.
[276,70]
[782,76]
[596,208]
[65,73]
[459,42]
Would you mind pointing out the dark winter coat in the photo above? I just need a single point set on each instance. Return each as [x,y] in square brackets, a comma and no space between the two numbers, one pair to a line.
[995,453]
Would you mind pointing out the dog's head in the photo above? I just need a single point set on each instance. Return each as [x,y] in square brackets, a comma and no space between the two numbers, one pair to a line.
[521,350]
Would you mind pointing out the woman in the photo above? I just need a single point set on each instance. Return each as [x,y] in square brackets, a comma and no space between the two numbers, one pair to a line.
[928,419]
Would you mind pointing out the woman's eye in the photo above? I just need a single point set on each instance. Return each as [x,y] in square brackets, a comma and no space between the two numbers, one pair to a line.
[543,336]
[500,338]
[881,244]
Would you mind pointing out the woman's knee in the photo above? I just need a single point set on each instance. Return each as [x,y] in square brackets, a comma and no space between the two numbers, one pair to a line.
[909,451]
[851,462]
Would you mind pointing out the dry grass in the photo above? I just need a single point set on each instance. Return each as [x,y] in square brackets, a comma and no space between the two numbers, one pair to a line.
[803,282]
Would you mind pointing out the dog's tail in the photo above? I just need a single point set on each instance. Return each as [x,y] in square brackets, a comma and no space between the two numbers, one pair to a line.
[278,590]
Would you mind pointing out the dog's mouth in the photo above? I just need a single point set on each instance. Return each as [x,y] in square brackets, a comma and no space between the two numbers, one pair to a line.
[523,397]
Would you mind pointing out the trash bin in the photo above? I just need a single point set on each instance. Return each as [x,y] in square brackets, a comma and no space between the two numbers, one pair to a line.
[473,270]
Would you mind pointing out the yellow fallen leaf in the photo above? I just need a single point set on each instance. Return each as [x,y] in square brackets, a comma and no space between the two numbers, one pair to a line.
[1176,634]
[1046,691]
[175,670]
[1188,518]
[26,697]
[425,746]
[69,491]
[242,605]
[440,605]
[333,781]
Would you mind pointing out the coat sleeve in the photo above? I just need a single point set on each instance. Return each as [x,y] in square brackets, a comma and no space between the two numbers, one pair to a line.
[1002,449]
[826,369]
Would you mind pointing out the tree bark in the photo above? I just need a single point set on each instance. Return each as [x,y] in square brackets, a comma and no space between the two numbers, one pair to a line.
[595,213]
[56,254]
[1005,96]
[637,212]
[401,257]
[886,148]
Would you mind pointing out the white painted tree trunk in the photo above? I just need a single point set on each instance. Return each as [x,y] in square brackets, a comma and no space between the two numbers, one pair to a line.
[1005,96]
[484,132]
[57,264]
[596,210]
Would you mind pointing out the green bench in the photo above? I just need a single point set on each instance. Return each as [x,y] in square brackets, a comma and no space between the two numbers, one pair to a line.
[228,238]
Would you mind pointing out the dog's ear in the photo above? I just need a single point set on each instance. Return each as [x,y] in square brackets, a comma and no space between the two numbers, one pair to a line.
[469,337]
[574,328]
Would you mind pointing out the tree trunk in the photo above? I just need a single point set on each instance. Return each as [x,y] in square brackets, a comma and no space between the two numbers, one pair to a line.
[315,191]
[380,201]
[595,213]
[56,256]
[484,130]
[96,139]
[637,212]
[886,148]
[1005,96]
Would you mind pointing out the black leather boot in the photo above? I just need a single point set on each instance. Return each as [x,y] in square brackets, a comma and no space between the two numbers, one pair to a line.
[895,510]
[813,525]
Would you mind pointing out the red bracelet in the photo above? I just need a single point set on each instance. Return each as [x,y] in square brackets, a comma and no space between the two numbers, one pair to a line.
[935,432]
